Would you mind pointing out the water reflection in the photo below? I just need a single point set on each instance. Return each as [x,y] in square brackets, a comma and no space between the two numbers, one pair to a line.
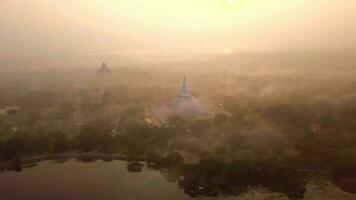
[208,178]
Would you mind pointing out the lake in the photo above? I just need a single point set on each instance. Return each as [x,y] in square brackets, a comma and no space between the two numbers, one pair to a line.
[103,180]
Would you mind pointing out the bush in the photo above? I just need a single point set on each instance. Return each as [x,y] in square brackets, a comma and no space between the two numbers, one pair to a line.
[174,158]
[152,156]
[60,145]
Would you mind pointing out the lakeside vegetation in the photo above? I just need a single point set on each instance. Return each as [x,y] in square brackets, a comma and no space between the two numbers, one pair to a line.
[284,129]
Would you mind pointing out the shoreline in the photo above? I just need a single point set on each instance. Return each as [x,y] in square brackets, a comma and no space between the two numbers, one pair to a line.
[102,156]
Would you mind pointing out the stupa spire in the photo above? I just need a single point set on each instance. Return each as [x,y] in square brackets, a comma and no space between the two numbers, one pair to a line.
[104,65]
[184,89]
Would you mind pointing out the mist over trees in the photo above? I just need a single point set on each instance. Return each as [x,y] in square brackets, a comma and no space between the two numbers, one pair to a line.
[283,116]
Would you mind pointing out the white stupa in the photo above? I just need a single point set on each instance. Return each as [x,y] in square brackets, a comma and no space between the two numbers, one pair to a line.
[185,105]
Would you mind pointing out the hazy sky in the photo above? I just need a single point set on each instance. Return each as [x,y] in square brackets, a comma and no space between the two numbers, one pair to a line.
[49,27]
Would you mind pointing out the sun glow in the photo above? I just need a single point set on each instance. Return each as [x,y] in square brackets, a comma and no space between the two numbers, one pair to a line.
[198,15]
[230,2]
[187,25]
[186,15]
[228,51]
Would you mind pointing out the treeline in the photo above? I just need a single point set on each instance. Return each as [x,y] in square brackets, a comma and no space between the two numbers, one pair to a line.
[273,122]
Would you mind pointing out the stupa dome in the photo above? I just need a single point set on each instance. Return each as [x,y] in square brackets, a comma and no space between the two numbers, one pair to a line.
[185,105]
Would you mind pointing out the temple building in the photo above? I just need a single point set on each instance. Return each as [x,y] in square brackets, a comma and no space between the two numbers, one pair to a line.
[186,106]
[104,69]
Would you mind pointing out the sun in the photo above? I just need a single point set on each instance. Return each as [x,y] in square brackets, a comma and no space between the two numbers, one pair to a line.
[228,51]
[230,2]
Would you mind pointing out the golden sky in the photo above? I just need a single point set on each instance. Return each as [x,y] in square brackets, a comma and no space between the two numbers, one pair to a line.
[41,27]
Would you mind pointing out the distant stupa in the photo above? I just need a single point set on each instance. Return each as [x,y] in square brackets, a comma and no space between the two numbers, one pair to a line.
[104,69]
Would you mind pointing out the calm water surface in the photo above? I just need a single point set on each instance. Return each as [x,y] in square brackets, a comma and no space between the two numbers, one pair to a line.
[111,180]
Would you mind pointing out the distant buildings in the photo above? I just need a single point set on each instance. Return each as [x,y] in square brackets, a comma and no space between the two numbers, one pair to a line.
[184,106]
[104,69]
